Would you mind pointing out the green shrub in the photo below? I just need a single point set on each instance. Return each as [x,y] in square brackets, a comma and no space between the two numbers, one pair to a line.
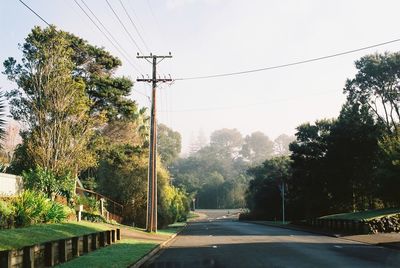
[56,213]
[6,214]
[30,208]
[86,216]
[45,181]
[174,206]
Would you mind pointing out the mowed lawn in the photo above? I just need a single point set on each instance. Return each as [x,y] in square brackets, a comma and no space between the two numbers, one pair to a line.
[20,237]
[121,254]
[364,215]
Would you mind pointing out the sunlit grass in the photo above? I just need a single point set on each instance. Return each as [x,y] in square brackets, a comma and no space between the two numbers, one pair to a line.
[364,215]
[35,234]
[121,254]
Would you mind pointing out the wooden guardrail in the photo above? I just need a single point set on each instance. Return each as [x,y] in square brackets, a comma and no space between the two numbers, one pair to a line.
[55,252]
[114,208]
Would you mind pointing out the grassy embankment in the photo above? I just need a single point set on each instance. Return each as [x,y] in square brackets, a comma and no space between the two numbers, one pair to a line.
[124,252]
[20,237]
[121,254]
[364,215]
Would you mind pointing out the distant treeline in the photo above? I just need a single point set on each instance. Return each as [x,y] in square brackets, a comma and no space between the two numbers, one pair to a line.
[215,174]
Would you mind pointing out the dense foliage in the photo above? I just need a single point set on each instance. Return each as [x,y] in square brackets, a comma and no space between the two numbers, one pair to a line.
[347,164]
[45,181]
[79,121]
[29,208]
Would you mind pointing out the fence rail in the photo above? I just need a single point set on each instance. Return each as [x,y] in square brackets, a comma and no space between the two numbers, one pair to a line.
[113,208]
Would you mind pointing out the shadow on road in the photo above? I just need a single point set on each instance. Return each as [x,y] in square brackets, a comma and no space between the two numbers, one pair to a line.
[279,254]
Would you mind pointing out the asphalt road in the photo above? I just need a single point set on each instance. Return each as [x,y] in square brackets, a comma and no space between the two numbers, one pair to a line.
[222,241]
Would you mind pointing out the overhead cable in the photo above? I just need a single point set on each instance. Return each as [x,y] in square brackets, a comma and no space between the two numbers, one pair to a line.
[34,12]
[134,26]
[288,64]
[123,26]
[105,28]
[106,36]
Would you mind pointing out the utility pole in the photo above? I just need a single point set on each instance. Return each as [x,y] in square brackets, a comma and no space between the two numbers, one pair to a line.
[151,215]
[282,190]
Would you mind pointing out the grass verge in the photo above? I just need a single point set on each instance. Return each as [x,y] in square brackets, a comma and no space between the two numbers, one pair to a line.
[192,215]
[124,253]
[172,229]
[121,254]
[20,237]
[364,215]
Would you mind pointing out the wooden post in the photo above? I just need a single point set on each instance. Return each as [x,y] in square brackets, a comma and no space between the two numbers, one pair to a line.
[108,236]
[62,250]
[102,239]
[102,206]
[86,248]
[113,234]
[49,254]
[75,246]
[79,209]
[5,258]
[118,234]
[94,241]
[29,257]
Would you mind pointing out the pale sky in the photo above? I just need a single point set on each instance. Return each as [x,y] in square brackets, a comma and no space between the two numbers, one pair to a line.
[220,36]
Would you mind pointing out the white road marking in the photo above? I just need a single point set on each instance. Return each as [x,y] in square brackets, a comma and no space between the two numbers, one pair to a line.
[336,246]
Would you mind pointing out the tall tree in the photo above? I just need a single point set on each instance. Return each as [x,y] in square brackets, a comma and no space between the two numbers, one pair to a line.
[263,195]
[89,68]
[376,85]
[227,142]
[257,148]
[281,144]
[308,185]
[352,159]
[169,144]
[51,103]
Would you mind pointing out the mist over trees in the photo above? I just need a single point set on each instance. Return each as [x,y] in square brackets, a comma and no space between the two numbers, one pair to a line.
[351,163]
[215,175]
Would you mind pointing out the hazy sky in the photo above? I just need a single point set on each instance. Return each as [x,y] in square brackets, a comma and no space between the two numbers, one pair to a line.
[219,36]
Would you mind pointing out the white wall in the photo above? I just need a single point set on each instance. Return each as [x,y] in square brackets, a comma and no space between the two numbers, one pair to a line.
[10,184]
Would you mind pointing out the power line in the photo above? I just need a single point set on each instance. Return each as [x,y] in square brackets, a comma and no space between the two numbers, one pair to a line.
[48,24]
[106,36]
[134,25]
[289,64]
[34,12]
[247,105]
[73,44]
[161,33]
[105,28]
[123,26]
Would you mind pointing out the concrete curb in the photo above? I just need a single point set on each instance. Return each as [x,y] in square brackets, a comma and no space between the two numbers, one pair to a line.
[156,250]
[295,228]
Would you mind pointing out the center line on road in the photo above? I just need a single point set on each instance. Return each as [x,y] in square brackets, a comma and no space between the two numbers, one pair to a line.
[336,246]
